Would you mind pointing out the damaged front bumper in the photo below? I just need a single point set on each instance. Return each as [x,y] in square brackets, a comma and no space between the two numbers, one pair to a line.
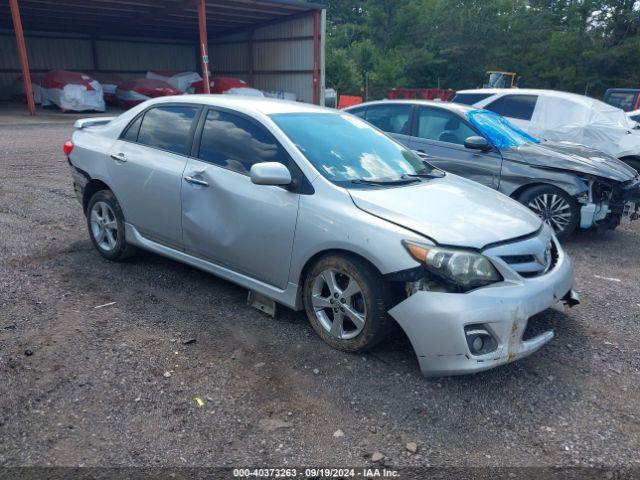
[439,324]
[631,199]
[606,205]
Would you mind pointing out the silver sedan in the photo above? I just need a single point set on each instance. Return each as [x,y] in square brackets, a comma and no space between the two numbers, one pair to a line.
[315,209]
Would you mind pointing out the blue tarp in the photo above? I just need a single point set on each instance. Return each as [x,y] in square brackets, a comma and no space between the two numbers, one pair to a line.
[498,130]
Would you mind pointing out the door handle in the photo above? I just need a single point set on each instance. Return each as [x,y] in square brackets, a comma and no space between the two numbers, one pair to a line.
[119,157]
[196,181]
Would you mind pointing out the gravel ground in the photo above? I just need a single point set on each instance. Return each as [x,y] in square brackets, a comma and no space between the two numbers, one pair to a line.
[116,385]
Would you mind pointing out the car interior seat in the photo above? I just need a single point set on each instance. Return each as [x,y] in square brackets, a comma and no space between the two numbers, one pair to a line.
[449,134]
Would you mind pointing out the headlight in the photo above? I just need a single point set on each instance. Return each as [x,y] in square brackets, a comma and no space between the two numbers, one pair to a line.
[466,269]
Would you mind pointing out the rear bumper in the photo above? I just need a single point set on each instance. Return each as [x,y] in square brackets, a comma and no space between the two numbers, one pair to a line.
[80,179]
[435,322]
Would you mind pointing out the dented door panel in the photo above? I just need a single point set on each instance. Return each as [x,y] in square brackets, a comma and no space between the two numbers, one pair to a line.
[237,224]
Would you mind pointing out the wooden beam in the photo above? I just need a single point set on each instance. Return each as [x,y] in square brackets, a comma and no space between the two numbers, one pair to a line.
[204,48]
[316,57]
[22,51]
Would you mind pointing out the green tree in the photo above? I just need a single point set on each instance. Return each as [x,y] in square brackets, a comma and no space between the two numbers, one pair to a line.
[573,45]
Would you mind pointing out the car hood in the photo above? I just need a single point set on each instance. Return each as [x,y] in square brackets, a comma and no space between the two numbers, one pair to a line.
[573,157]
[450,211]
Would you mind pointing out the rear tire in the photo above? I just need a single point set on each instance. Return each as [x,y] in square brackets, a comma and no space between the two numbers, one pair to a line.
[105,222]
[346,301]
[555,207]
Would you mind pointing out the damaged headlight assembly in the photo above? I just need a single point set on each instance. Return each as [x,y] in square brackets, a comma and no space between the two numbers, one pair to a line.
[465,269]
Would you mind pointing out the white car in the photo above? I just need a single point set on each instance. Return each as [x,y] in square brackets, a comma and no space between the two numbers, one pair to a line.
[563,117]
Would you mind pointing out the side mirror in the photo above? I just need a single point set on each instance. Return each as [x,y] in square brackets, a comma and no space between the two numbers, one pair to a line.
[478,143]
[270,173]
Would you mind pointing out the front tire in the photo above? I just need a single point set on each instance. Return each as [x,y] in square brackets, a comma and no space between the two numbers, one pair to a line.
[346,301]
[555,207]
[105,222]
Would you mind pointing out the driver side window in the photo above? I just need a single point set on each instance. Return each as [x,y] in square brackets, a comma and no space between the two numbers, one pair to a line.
[236,143]
[390,118]
[443,126]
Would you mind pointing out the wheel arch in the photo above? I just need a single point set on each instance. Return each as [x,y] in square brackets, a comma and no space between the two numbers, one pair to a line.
[331,251]
[562,230]
[573,189]
[523,188]
[94,185]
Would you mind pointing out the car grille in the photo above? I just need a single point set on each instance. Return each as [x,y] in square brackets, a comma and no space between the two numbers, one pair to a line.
[529,257]
[534,265]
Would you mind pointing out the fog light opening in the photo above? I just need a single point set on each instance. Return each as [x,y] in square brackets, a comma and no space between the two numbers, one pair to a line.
[480,340]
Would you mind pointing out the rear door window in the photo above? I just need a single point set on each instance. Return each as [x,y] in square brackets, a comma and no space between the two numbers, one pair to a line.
[390,118]
[359,112]
[470,98]
[131,133]
[514,106]
[235,142]
[443,126]
[168,128]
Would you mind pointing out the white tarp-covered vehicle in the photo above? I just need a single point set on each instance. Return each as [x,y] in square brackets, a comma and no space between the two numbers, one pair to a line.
[563,117]
[73,91]
[179,80]
[18,88]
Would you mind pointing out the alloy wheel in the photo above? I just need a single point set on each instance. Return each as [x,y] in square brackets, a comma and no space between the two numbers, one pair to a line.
[338,303]
[553,209]
[104,227]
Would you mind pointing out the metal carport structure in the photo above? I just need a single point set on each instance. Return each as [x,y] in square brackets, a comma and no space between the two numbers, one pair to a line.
[268,42]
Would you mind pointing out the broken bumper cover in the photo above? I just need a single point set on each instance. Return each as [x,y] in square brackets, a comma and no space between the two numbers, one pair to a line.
[435,322]
[631,190]
[631,197]
[80,180]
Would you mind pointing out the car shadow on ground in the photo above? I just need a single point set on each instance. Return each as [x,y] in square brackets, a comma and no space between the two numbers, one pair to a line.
[395,356]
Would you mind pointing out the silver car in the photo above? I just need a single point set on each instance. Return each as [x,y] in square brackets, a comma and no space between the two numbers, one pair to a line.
[317,210]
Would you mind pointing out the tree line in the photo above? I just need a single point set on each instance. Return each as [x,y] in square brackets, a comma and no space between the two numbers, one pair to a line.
[582,46]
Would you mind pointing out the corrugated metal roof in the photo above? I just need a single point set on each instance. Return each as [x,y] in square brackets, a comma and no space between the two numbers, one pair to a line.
[151,18]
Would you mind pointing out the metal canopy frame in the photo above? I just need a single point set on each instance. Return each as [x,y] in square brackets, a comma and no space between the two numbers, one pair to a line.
[162,19]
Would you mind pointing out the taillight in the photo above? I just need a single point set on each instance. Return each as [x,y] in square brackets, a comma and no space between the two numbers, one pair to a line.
[67,147]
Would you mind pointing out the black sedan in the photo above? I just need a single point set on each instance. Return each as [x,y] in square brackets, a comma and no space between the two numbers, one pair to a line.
[567,185]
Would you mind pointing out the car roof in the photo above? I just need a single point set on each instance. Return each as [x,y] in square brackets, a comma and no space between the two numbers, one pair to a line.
[263,105]
[573,97]
[454,107]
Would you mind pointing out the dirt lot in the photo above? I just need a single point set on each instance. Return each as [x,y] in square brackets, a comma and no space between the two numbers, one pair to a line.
[116,385]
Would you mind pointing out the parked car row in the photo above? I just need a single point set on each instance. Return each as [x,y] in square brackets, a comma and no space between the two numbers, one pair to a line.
[318,210]
[567,185]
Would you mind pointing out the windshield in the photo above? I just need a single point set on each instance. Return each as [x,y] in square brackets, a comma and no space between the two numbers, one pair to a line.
[347,150]
[498,130]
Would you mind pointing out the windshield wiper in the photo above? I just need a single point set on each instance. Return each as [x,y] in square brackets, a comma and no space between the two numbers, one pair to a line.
[402,181]
[433,174]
